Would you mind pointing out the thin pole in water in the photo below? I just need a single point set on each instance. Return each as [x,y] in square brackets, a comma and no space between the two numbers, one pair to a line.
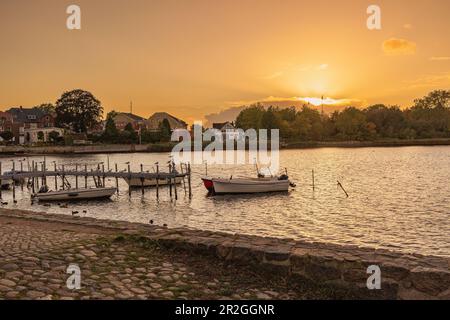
[21,171]
[313,180]
[85,176]
[32,178]
[63,178]
[340,185]
[103,171]
[142,178]
[56,178]
[170,179]
[14,181]
[157,180]
[76,176]
[175,180]
[129,180]
[184,182]
[117,180]
[189,180]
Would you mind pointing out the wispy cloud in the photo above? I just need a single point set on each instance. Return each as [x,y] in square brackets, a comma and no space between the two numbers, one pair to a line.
[395,47]
[299,101]
[440,80]
[439,58]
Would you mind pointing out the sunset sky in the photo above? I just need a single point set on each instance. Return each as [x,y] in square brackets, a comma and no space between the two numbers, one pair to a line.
[192,58]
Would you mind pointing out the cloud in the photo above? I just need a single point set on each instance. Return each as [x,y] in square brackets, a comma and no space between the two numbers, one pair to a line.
[439,58]
[407,26]
[229,114]
[439,80]
[395,47]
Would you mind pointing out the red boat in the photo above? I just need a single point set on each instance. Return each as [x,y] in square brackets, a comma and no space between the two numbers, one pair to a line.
[208,183]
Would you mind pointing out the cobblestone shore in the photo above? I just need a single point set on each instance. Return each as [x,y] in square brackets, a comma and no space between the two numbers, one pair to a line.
[34,256]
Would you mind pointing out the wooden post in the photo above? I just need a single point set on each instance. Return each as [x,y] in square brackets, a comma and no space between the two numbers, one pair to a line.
[21,180]
[340,185]
[142,179]
[189,181]
[85,176]
[174,181]
[117,180]
[56,178]
[44,170]
[184,182]
[37,178]
[63,178]
[76,176]
[170,179]
[98,174]
[157,181]
[14,180]
[103,171]
[313,180]
[129,180]
[32,178]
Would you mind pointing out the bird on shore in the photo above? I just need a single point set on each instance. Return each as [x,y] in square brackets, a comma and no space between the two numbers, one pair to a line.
[74,212]
[151,221]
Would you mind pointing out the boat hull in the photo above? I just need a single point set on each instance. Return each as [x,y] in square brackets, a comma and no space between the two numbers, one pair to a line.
[236,186]
[75,194]
[136,182]
[208,183]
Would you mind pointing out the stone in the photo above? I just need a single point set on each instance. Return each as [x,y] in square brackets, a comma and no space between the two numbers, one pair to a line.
[108,291]
[10,267]
[7,283]
[35,294]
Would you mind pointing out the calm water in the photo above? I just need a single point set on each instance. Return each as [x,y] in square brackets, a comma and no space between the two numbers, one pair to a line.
[399,198]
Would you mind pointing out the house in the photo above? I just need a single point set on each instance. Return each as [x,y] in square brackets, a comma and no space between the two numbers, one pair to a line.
[6,123]
[157,118]
[228,130]
[122,119]
[35,135]
[26,121]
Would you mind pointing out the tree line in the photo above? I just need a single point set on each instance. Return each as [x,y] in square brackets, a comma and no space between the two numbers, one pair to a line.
[429,117]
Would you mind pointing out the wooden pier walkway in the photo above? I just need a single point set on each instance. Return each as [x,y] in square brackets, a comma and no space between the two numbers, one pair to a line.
[99,174]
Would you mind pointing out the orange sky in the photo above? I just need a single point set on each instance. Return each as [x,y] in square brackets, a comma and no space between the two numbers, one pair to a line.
[192,57]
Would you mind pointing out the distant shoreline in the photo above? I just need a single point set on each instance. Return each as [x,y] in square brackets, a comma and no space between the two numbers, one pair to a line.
[167,147]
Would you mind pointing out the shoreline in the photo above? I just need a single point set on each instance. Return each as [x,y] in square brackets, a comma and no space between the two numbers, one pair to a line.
[404,276]
[167,147]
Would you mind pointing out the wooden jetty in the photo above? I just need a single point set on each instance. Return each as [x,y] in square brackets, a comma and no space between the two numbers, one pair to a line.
[39,173]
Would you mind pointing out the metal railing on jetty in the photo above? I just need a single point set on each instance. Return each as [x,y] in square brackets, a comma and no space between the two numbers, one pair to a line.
[40,171]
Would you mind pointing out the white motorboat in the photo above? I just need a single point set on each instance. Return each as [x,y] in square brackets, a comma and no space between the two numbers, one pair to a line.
[250,185]
[136,182]
[75,194]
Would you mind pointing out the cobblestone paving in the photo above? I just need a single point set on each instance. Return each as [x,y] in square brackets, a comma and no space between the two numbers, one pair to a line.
[34,259]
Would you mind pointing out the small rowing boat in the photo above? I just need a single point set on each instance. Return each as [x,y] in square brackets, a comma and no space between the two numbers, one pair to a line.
[250,185]
[75,194]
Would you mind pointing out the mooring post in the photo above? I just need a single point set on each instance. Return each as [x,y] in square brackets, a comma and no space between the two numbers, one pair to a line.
[175,180]
[170,179]
[76,176]
[313,180]
[44,170]
[32,178]
[85,176]
[56,178]
[37,176]
[157,180]
[142,178]
[184,182]
[340,185]
[129,180]
[63,178]
[14,180]
[21,171]
[189,180]
[103,171]
[117,180]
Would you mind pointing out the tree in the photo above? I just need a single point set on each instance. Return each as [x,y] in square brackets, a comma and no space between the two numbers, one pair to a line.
[131,134]
[251,117]
[111,131]
[435,99]
[54,136]
[78,110]
[6,135]
[165,130]
[40,136]
[46,107]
